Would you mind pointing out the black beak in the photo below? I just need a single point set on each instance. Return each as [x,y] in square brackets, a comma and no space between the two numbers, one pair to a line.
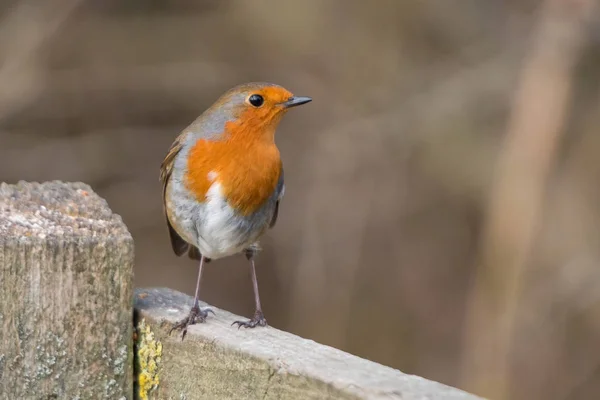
[296,101]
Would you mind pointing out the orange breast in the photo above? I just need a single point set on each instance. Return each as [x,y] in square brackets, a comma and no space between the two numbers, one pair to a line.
[248,170]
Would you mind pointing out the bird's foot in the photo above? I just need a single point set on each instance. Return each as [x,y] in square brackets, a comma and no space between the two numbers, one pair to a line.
[196,315]
[257,320]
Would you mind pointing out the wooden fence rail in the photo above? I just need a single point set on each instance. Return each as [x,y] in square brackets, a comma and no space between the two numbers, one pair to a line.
[67,305]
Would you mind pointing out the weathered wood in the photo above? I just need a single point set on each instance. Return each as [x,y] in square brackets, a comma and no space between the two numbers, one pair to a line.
[66,265]
[218,361]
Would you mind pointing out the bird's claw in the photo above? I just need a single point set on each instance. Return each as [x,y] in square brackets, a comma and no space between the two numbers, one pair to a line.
[257,320]
[196,315]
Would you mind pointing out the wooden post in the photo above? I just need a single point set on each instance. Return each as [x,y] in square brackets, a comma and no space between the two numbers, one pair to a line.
[218,361]
[66,266]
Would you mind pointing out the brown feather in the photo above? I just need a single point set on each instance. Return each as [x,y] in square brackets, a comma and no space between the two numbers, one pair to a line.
[194,253]
[274,217]
[179,245]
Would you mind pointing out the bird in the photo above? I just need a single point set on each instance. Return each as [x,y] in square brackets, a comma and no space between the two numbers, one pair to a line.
[223,182]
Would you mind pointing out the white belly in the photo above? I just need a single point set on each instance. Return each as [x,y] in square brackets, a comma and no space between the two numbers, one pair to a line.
[222,232]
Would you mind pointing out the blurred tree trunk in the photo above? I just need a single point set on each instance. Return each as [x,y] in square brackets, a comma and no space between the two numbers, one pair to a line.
[534,131]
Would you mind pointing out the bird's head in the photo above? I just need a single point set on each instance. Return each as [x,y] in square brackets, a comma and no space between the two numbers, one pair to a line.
[253,110]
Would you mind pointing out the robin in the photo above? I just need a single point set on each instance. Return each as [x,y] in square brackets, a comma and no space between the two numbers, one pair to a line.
[222,183]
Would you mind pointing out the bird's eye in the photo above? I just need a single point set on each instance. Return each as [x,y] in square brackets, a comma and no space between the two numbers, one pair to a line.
[256,100]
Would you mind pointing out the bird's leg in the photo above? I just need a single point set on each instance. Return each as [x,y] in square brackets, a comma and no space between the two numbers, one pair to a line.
[196,314]
[258,319]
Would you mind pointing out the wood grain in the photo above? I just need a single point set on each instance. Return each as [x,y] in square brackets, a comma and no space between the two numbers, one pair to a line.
[66,265]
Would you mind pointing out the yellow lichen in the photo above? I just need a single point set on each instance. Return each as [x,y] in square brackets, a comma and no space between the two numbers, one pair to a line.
[149,352]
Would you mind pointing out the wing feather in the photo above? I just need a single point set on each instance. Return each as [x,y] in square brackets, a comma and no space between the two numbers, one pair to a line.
[179,245]
[279,190]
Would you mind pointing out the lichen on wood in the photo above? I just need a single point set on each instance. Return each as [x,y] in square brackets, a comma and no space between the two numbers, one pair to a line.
[148,358]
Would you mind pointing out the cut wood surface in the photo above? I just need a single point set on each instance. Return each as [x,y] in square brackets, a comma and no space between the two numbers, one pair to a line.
[66,265]
[219,361]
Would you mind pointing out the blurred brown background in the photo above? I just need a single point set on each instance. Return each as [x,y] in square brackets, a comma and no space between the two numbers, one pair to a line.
[442,207]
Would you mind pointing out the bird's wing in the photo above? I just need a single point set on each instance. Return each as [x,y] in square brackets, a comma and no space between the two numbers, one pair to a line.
[179,245]
[279,192]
